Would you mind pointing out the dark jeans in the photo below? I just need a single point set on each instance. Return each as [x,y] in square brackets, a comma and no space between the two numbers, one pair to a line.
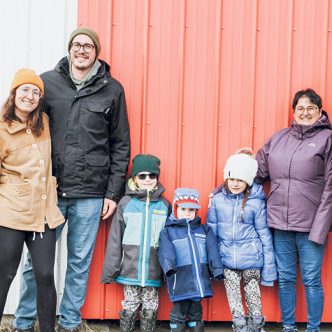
[42,251]
[186,310]
[291,248]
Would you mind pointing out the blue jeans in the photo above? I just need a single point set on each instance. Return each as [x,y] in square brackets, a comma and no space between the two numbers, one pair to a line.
[82,216]
[291,247]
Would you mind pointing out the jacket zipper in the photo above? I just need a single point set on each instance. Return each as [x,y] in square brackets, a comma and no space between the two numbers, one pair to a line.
[145,236]
[234,220]
[288,189]
[195,262]
[154,233]
[122,259]
[174,285]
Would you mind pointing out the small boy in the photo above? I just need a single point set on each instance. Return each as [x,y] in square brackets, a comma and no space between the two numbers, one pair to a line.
[188,254]
[131,253]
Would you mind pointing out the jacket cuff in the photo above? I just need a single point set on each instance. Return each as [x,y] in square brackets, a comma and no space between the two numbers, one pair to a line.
[267,283]
[107,280]
[217,273]
[112,196]
[170,271]
[315,239]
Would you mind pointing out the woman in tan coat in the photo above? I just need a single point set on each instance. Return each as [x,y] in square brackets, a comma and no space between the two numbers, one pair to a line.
[28,199]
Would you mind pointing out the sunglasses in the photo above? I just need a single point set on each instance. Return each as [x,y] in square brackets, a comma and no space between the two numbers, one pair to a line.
[152,176]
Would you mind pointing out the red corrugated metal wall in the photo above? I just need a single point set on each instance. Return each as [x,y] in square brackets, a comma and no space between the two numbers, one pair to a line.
[203,78]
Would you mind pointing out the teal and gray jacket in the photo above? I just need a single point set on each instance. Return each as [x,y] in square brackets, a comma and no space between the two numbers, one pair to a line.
[131,253]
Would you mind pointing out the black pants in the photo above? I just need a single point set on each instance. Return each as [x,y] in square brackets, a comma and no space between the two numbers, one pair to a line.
[42,251]
[186,310]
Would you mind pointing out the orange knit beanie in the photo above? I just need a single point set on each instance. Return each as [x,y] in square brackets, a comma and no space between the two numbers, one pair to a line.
[27,76]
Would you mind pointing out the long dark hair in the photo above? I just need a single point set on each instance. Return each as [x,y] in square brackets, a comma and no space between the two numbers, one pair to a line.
[35,119]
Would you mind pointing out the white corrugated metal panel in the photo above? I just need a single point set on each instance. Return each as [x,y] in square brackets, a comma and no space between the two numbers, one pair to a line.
[34,35]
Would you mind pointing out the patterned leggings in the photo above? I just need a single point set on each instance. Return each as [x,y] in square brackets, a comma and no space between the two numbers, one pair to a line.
[137,295]
[252,292]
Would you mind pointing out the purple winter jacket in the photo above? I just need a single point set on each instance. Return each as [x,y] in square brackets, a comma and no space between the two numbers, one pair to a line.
[298,161]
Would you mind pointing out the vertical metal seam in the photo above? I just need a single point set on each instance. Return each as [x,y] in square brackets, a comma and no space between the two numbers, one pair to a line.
[181,93]
[146,39]
[253,117]
[215,162]
[325,65]
[291,51]
[110,54]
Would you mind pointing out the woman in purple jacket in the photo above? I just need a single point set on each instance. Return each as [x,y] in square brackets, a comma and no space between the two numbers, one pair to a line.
[298,162]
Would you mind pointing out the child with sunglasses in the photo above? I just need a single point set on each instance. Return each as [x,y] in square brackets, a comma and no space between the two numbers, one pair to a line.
[131,253]
[237,216]
[189,257]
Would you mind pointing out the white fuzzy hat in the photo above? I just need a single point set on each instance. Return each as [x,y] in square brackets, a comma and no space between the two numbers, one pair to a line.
[241,166]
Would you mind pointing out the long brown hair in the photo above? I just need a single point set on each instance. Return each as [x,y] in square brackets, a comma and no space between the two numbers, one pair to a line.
[245,196]
[35,119]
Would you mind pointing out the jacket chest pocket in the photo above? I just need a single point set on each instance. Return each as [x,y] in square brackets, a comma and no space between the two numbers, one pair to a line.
[158,224]
[201,244]
[94,126]
[18,197]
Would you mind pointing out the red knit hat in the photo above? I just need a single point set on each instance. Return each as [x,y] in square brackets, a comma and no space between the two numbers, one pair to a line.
[186,198]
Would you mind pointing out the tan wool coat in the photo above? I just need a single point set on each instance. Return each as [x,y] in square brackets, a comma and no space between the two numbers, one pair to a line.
[28,197]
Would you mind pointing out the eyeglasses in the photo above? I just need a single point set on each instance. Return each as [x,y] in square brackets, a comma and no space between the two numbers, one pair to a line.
[36,94]
[87,48]
[310,109]
[143,176]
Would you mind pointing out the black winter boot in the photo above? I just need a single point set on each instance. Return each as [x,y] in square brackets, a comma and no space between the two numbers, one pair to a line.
[127,320]
[148,320]
[240,324]
[196,326]
[177,327]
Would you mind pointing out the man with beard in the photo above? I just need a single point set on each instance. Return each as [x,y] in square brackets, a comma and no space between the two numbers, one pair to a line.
[90,154]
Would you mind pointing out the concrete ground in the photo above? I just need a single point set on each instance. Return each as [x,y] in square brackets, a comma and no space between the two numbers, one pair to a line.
[162,326]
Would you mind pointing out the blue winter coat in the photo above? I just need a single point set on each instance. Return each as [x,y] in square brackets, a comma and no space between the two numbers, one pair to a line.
[188,254]
[245,241]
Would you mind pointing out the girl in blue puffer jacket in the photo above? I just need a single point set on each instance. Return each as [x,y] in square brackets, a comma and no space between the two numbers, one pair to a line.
[237,216]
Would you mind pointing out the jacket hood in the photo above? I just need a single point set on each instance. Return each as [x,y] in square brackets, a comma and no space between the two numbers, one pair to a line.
[172,221]
[302,131]
[132,190]
[63,68]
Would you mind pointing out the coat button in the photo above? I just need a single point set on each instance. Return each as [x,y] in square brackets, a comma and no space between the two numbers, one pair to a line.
[64,194]
[44,178]
[34,146]
[41,162]
[28,131]
[43,197]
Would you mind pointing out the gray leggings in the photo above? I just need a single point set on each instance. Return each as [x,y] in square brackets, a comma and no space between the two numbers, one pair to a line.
[252,292]
[134,296]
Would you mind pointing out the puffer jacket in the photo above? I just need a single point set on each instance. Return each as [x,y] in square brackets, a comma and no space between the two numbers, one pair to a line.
[28,197]
[90,133]
[244,239]
[298,161]
[131,253]
[189,257]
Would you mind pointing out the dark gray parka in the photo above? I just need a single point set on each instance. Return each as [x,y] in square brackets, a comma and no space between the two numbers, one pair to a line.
[90,133]
[298,161]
